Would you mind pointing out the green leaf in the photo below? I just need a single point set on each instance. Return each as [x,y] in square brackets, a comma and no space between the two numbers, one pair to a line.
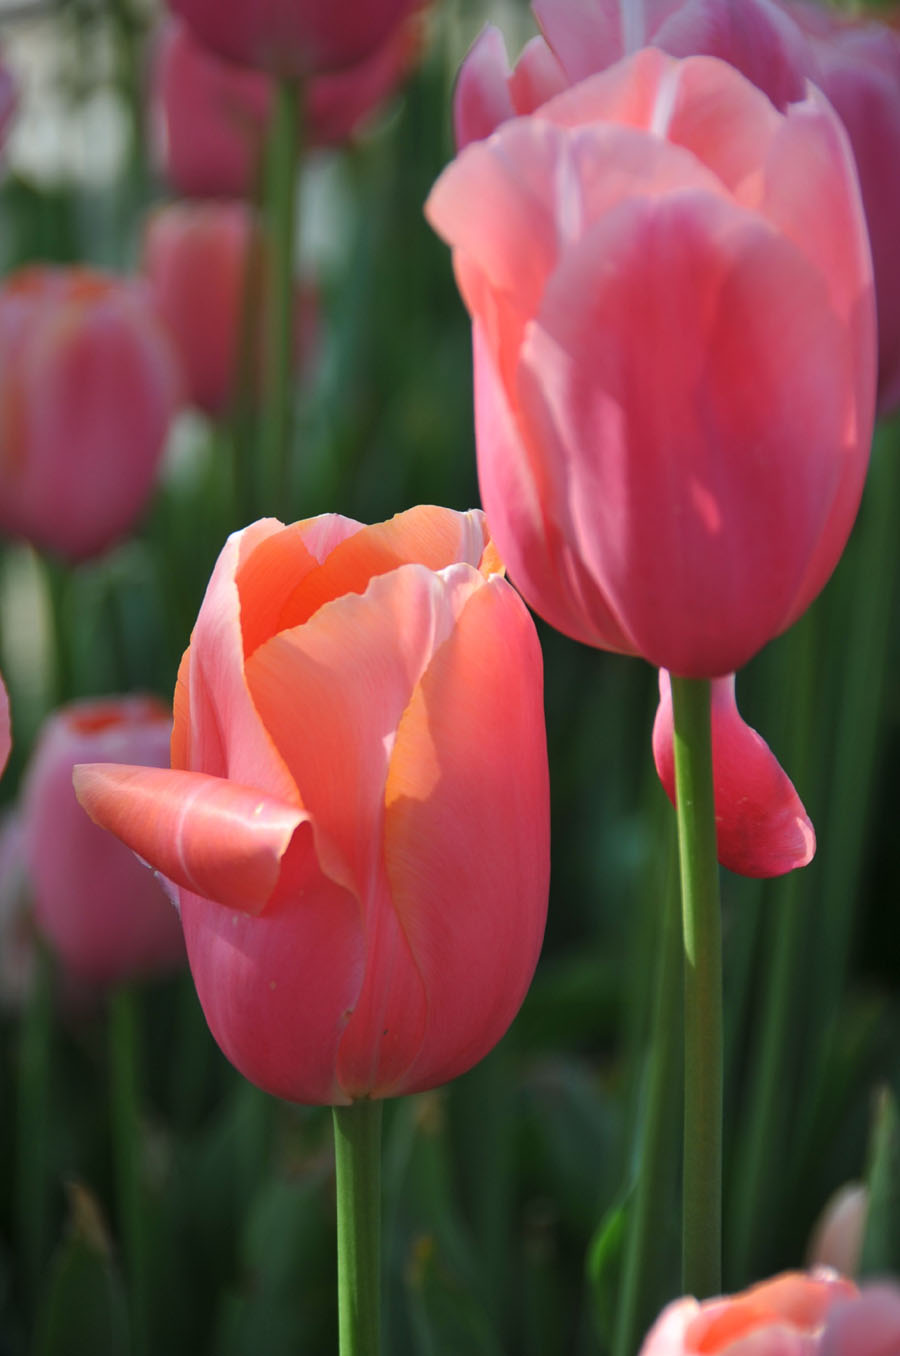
[881,1245]
[84,1308]
[604,1268]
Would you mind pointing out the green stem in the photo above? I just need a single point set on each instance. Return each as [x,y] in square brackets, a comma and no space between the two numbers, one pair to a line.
[638,1299]
[703,1040]
[34,1116]
[284,150]
[126,1136]
[357,1154]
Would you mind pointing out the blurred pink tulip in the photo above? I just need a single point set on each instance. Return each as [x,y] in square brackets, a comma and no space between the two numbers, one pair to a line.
[674,336]
[762,828]
[867,1326]
[5,727]
[837,1238]
[9,98]
[17,931]
[357,816]
[857,65]
[294,37]
[780,1317]
[211,115]
[88,387]
[200,259]
[105,914]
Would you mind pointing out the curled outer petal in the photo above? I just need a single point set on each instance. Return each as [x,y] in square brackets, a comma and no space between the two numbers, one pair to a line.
[762,828]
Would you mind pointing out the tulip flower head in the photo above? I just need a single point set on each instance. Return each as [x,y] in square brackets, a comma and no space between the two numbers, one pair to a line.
[356,819]
[866,1326]
[88,388]
[205,265]
[674,345]
[784,1316]
[105,915]
[211,115]
[294,37]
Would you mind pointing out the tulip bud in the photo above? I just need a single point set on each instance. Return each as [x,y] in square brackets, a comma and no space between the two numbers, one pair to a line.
[356,818]
[105,914]
[837,1238]
[88,387]
[211,116]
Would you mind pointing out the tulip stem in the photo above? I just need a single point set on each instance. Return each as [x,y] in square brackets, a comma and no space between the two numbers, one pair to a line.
[126,1135]
[281,182]
[703,1038]
[357,1156]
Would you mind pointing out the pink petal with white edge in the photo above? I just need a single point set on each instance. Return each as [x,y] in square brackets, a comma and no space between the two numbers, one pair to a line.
[211,836]
[762,828]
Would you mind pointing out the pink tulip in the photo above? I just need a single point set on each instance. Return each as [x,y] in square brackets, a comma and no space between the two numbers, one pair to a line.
[211,115]
[356,819]
[5,728]
[858,67]
[294,37]
[200,259]
[88,386]
[106,916]
[780,1317]
[867,1326]
[837,1238]
[671,294]
[762,828]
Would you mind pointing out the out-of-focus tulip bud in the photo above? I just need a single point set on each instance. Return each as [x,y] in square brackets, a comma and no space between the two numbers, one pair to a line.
[357,814]
[762,828]
[867,1326]
[88,387]
[294,37]
[837,1238]
[104,913]
[205,262]
[211,115]
[688,506]
[780,1317]
[857,65]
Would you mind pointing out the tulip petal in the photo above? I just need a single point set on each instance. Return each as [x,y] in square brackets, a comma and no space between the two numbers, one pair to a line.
[866,1326]
[5,733]
[355,663]
[211,836]
[481,99]
[470,751]
[278,990]
[762,828]
[705,467]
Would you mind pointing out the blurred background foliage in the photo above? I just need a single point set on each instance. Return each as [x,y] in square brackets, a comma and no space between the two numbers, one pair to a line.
[508,1194]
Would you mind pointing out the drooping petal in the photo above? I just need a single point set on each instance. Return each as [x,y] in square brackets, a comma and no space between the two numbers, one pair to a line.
[762,828]
[466,831]
[208,835]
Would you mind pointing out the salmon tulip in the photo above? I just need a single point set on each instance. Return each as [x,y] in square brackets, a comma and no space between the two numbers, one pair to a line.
[355,823]
[107,918]
[294,37]
[674,336]
[211,115]
[762,828]
[784,1316]
[88,388]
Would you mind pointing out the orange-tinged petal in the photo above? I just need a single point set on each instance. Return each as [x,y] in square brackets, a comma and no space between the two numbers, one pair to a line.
[466,835]
[211,836]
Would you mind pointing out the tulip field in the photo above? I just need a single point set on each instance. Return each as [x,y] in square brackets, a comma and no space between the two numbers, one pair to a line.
[449,620]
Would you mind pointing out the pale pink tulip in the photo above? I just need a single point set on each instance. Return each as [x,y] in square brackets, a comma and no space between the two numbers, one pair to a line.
[784,1316]
[106,916]
[356,819]
[88,387]
[673,323]
[867,1326]
[211,115]
[762,828]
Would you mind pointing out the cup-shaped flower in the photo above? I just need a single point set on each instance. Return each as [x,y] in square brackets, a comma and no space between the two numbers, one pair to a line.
[107,918]
[205,264]
[762,828]
[88,387]
[783,1316]
[674,337]
[210,116]
[294,37]
[356,819]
